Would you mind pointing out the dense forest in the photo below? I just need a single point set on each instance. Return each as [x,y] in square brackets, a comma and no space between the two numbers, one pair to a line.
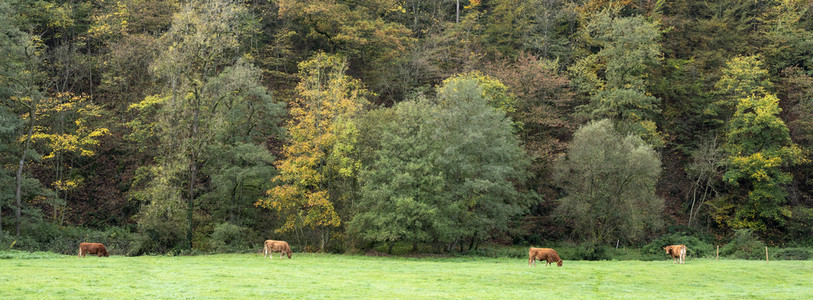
[443,125]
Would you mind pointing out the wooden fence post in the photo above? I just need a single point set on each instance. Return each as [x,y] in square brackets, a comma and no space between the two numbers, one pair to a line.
[718,253]
[766,254]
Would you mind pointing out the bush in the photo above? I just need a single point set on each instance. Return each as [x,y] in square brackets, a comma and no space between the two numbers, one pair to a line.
[792,254]
[17,254]
[744,245]
[591,252]
[159,238]
[228,237]
[695,248]
[10,242]
[40,235]
[501,251]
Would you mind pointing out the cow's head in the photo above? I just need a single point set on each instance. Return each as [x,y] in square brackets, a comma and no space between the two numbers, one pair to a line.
[559,263]
[289,254]
[667,249]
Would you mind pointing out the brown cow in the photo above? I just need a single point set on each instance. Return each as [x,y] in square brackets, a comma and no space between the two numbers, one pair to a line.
[546,254]
[678,252]
[92,248]
[276,246]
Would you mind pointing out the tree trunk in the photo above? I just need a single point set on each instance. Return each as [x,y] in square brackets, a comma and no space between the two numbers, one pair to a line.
[457,17]
[233,205]
[415,16]
[193,168]
[18,192]
[323,237]
[191,204]
[453,244]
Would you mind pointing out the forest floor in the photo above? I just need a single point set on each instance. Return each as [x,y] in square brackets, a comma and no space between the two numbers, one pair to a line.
[346,276]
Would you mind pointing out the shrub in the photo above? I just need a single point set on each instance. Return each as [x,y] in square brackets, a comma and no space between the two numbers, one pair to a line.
[501,251]
[18,254]
[41,231]
[792,254]
[591,252]
[743,245]
[695,247]
[159,237]
[10,242]
[228,237]
[40,235]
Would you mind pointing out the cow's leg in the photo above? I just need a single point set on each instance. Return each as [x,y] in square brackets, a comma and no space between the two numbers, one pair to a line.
[80,252]
[531,261]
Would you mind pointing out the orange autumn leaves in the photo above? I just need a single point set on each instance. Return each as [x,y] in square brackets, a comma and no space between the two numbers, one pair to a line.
[320,134]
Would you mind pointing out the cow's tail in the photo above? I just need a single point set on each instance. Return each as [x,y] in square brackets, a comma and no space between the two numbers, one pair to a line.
[683,254]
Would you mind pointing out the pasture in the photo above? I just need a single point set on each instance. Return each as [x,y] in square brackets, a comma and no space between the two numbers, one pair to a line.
[345,276]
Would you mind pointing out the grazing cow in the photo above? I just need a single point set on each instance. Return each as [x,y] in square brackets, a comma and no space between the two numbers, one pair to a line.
[276,246]
[678,252]
[92,248]
[541,254]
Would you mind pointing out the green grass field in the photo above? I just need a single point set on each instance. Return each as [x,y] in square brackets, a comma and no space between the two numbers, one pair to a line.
[344,276]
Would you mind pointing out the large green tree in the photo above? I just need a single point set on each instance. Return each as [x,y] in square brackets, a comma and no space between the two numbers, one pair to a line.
[757,144]
[443,170]
[211,98]
[609,183]
[20,93]
[400,187]
[13,45]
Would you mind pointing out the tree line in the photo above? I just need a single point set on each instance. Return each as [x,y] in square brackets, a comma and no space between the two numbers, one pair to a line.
[349,124]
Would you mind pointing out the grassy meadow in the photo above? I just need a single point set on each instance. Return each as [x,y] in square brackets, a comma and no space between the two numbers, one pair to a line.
[344,276]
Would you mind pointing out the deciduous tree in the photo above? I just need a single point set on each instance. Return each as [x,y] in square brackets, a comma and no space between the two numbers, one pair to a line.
[609,184]
[20,93]
[758,145]
[614,77]
[319,152]
[210,90]
[445,170]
